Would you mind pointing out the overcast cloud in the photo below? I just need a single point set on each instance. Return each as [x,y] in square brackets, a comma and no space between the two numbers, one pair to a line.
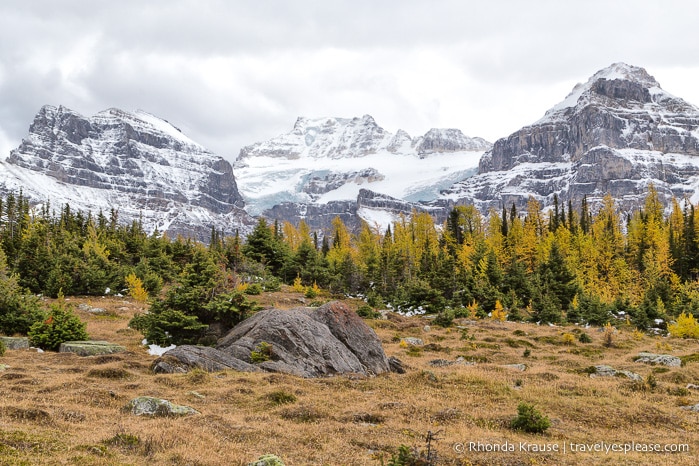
[230,73]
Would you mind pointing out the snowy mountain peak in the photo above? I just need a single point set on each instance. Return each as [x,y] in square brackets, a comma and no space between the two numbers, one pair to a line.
[326,160]
[332,138]
[618,85]
[133,162]
[624,72]
[616,134]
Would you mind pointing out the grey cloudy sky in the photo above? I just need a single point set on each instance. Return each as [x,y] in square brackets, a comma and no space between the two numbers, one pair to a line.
[230,73]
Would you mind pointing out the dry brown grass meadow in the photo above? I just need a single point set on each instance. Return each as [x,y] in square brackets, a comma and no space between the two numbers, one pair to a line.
[66,409]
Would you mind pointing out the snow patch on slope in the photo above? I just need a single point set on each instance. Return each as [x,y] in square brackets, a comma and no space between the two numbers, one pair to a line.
[331,159]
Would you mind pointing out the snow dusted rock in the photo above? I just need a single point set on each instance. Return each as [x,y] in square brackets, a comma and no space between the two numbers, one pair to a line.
[378,210]
[616,134]
[307,342]
[661,359]
[134,163]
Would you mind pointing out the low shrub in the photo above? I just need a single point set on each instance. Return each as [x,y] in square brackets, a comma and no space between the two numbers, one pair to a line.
[281,397]
[302,414]
[115,373]
[445,318]
[609,337]
[529,419]
[686,359]
[198,376]
[367,312]
[168,326]
[18,311]
[406,457]
[61,325]
[312,291]
[253,289]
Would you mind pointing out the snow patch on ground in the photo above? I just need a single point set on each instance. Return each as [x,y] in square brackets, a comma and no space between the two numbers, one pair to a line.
[156,350]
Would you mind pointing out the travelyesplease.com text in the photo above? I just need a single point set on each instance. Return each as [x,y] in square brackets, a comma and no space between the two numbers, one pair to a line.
[570,447]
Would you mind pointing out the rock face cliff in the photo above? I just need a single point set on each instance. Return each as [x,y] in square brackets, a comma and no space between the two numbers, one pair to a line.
[617,133]
[134,163]
[339,166]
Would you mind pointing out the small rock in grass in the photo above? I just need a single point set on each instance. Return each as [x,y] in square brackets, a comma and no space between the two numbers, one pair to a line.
[150,406]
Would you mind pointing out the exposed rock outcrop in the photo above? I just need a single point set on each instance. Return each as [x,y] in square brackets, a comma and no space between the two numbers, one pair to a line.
[368,206]
[615,134]
[307,342]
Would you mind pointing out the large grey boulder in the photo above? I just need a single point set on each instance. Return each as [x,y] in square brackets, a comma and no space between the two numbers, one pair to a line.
[306,342]
[300,345]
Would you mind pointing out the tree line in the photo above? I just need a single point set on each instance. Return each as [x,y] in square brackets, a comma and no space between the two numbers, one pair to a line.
[555,265]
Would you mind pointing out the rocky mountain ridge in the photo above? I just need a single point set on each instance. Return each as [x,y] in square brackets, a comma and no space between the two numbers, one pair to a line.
[135,163]
[617,133]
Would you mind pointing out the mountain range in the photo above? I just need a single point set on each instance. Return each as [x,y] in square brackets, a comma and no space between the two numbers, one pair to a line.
[616,133]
